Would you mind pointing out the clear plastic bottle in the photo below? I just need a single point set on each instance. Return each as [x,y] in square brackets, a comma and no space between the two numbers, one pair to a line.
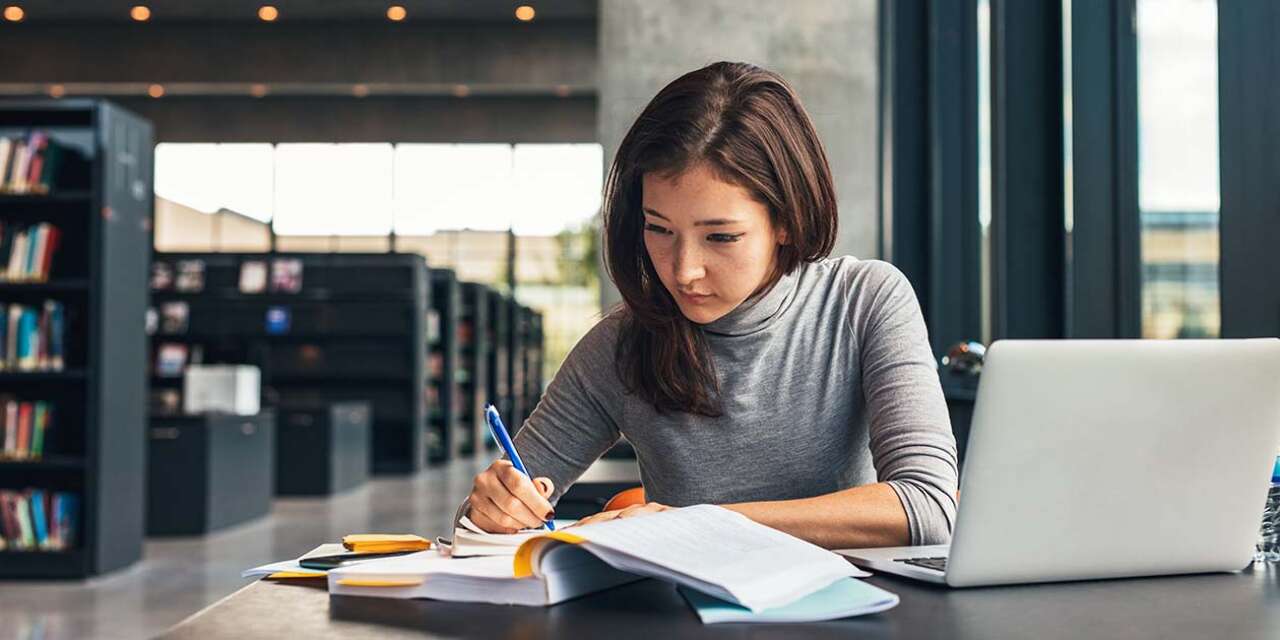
[1269,538]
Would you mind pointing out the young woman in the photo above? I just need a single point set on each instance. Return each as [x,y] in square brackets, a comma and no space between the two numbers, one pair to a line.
[746,368]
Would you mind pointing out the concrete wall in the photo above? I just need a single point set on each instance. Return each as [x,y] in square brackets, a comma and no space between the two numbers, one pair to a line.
[825,48]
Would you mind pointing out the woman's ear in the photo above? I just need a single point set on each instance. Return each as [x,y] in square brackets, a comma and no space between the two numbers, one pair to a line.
[782,236]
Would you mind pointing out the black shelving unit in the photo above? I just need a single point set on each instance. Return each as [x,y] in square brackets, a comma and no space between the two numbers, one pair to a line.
[473,348]
[442,364]
[355,332]
[499,356]
[101,200]
[528,360]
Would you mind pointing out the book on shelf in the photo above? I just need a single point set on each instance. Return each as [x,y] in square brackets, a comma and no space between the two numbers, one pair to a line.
[286,275]
[31,338]
[171,359]
[38,520]
[190,278]
[161,276]
[27,250]
[24,426]
[29,165]
[175,317]
[253,276]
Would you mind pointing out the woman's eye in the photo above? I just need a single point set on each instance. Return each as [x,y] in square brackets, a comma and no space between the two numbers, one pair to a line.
[654,228]
[724,237]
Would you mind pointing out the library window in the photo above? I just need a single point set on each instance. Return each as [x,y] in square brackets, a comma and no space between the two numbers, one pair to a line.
[1178,187]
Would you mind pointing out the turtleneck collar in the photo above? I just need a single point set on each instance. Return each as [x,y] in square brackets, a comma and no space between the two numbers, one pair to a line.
[759,311]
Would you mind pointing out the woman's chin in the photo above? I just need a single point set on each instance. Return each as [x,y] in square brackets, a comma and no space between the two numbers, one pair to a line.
[701,314]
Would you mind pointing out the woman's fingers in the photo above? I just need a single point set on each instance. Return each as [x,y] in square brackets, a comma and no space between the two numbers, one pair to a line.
[486,515]
[526,505]
[545,486]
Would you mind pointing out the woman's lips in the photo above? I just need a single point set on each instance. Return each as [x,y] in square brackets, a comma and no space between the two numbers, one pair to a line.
[695,298]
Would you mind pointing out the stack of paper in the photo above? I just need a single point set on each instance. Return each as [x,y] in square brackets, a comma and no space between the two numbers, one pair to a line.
[470,540]
[842,599]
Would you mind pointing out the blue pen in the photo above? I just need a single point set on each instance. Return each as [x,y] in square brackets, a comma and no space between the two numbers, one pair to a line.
[504,439]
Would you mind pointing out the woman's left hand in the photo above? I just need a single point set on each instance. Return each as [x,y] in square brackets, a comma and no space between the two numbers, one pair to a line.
[629,512]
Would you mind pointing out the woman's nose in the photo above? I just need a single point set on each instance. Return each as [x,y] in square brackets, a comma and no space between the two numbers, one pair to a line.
[689,266]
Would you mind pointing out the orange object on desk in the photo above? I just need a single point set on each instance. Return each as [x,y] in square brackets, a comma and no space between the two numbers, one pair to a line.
[625,498]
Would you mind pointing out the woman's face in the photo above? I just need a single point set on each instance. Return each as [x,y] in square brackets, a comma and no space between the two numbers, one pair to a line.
[712,244]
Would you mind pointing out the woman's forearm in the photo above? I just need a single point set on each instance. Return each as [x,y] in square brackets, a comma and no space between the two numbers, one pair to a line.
[866,516]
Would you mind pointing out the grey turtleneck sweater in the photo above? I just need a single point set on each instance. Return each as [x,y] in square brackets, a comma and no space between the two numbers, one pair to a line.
[827,382]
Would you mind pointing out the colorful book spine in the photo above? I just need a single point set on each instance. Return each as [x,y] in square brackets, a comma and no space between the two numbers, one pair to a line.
[28,166]
[38,519]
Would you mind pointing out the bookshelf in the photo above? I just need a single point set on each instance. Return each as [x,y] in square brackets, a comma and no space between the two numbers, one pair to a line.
[351,330]
[473,345]
[528,359]
[100,200]
[499,365]
[443,364]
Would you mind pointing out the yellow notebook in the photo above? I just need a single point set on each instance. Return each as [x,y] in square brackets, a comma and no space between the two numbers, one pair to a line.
[384,542]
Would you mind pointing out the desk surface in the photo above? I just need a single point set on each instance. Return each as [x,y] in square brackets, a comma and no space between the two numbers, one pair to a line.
[1241,606]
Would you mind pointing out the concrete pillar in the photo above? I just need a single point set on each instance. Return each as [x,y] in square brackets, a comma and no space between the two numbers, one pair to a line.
[826,49]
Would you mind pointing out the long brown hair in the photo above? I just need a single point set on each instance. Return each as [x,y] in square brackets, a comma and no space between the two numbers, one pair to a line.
[747,125]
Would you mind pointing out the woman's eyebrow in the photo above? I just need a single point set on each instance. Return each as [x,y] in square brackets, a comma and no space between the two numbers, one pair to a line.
[714,222]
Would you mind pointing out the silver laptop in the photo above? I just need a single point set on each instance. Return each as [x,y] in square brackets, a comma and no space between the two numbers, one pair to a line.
[1107,459]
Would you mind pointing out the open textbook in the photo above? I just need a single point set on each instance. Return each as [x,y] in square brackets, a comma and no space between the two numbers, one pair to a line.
[704,547]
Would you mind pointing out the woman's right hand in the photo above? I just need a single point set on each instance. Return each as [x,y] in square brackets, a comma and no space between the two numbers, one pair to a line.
[503,500]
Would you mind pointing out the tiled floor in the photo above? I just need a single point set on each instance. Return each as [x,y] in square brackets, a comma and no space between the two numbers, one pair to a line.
[180,576]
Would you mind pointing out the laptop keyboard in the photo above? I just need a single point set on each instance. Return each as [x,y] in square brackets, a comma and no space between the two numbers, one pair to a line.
[937,564]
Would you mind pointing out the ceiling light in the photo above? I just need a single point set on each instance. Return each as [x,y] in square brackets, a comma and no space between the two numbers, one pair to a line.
[360,90]
[140,13]
[268,13]
[155,90]
[258,90]
[461,91]
[57,91]
[14,13]
[524,13]
[562,90]
[396,13]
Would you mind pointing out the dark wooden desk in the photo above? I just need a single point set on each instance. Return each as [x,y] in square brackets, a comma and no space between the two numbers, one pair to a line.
[1240,606]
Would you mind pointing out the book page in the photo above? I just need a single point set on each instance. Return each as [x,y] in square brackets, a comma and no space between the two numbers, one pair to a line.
[759,566]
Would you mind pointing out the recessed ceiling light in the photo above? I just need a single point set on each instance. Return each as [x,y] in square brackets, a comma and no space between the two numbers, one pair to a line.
[14,13]
[268,13]
[461,90]
[57,91]
[524,13]
[360,90]
[155,90]
[140,13]
[258,90]
[396,13]
[562,90]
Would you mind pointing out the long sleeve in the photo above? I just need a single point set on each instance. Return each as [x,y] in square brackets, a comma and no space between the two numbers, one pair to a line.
[912,446]
[577,419]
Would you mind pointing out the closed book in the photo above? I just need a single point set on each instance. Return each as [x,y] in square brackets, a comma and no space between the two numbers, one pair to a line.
[7,232]
[6,155]
[11,348]
[33,248]
[41,425]
[28,340]
[57,337]
[4,336]
[13,269]
[39,523]
[26,535]
[69,520]
[8,521]
[11,426]
[24,430]
[46,261]
[53,156]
